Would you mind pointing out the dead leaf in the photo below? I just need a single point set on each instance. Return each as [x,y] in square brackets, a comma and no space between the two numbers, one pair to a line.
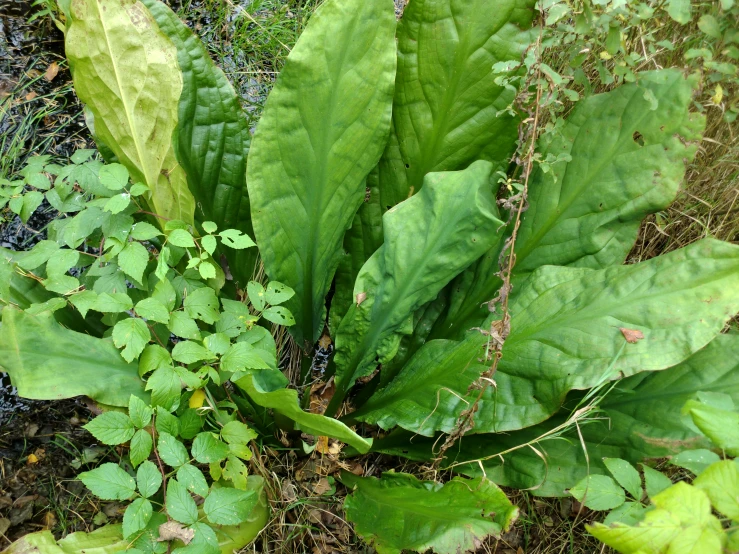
[361,297]
[31,430]
[49,520]
[30,96]
[632,336]
[172,530]
[322,486]
[357,469]
[52,71]
[4,525]
[322,445]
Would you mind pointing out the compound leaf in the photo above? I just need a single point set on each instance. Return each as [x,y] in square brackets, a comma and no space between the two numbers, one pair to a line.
[109,482]
[227,506]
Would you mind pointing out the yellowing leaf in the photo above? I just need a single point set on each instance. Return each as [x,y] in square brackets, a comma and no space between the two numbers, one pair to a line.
[197,399]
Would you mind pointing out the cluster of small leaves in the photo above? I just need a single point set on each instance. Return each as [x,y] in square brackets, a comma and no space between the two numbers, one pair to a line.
[157,290]
[677,517]
[582,45]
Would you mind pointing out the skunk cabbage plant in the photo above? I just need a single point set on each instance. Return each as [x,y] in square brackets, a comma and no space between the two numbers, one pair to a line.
[371,187]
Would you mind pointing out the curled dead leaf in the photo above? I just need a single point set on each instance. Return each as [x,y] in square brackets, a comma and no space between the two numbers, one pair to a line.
[631,335]
[361,297]
[30,96]
[321,487]
[52,71]
[172,530]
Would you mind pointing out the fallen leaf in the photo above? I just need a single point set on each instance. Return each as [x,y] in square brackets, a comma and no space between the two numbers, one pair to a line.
[30,96]
[357,469]
[322,445]
[361,297]
[321,487]
[49,520]
[631,335]
[4,525]
[32,459]
[52,71]
[172,530]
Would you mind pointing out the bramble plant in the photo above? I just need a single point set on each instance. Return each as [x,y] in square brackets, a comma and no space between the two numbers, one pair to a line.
[478,303]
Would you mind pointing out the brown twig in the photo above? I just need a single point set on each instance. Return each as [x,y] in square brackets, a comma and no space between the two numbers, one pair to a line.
[500,329]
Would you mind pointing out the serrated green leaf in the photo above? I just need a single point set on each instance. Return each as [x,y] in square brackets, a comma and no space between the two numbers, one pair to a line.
[117,203]
[654,481]
[144,231]
[182,325]
[165,386]
[207,270]
[190,423]
[113,302]
[188,352]
[31,201]
[233,238]
[681,522]
[236,471]
[113,176]
[193,480]
[180,237]
[209,244]
[599,492]
[398,512]
[153,310]
[153,357]
[83,301]
[141,445]
[167,422]
[206,448]
[180,505]
[279,315]
[171,451]
[628,513]
[125,71]
[133,260]
[202,304]
[695,460]
[626,475]
[136,516]
[43,373]
[721,426]
[148,479]
[111,428]
[109,482]
[237,432]
[132,335]
[342,105]
[38,255]
[241,356]
[226,506]
[720,481]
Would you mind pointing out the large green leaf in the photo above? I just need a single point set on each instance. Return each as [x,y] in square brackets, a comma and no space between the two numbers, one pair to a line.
[447,110]
[628,150]
[323,129]
[631,145]
[565,327]
[212,137]
[422,397]
[105,540]
[398,512]
[429,239]
[446,106]
[641,418]
[126,71]
[287,403]
[45,361]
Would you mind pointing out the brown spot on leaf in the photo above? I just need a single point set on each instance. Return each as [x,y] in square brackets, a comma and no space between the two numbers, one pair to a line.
[361,297]
[631,335]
